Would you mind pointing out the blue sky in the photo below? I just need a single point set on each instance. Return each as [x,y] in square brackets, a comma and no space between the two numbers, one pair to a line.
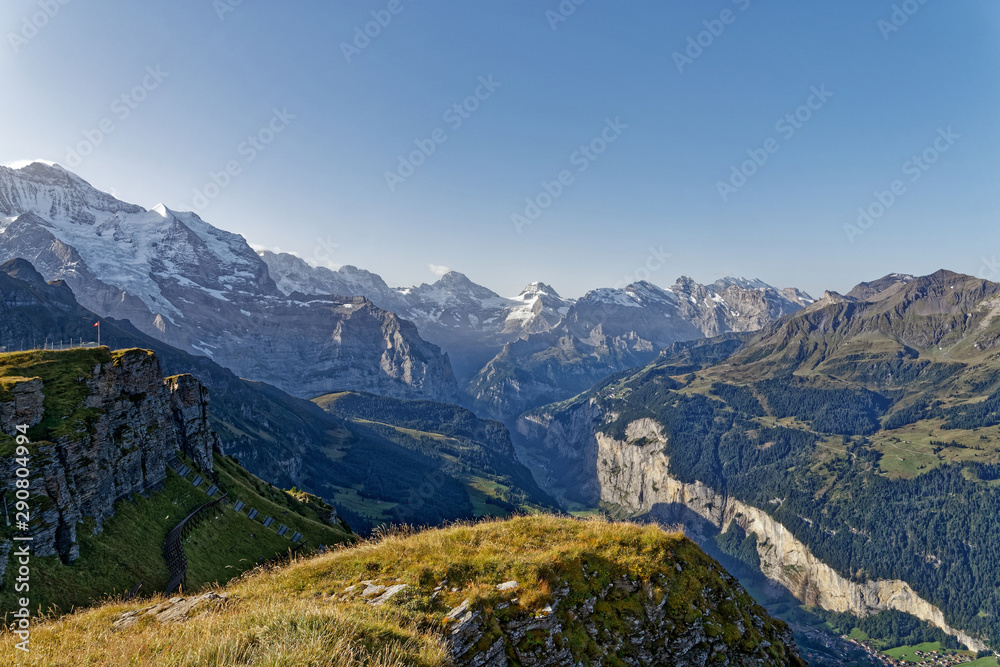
[200,77]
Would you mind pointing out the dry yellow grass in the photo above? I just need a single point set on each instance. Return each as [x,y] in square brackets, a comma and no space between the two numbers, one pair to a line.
[298,614]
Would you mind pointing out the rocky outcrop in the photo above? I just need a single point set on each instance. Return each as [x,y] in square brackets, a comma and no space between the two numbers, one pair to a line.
[635,474]
[650,632]
[683,609]
[311,345]
[174,610]
[735,304]
[189,406]
[116,442]
[20,401]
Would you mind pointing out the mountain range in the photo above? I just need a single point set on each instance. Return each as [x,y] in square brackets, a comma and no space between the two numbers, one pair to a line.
[840,454]
[511,354]
[372,465]
[311,331]
[205,291]
[848,454]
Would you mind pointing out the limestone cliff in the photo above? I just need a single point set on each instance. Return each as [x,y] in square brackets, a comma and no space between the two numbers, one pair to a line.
[635,474]
[131,421]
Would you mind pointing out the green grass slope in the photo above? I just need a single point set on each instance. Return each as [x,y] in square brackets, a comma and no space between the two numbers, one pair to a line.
[128,549]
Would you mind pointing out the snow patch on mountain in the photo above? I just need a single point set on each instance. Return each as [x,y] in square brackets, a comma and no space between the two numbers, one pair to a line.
[21,164]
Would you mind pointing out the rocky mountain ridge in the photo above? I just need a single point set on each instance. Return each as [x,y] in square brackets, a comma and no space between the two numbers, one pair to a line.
[609,331]
[473,323]
[521,352]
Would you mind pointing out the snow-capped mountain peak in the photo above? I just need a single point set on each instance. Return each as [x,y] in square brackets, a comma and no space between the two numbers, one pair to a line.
[537,289]
[148,254]
[21,164]
[205,290]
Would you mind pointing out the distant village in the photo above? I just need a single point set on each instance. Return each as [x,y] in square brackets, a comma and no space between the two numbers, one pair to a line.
[935,658]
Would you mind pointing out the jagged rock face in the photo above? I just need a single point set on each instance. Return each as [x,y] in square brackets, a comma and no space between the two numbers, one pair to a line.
[189,407]
[453,309]
[635,474]
[604,332]
[293,274]
[513,354]
[735,305]
[140,420]
[335,344]
[611,330]
[549,367]
[28,236]
[25,404]
[57,192]
[201,289]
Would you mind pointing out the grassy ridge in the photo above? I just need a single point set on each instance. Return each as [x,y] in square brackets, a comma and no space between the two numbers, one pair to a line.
[306,614]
